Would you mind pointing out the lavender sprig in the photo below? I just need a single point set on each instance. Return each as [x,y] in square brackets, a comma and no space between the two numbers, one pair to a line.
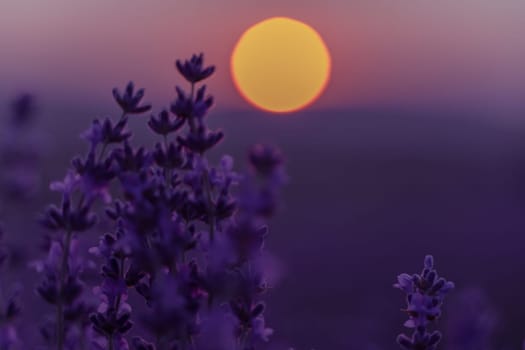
[192,69]
[10,306]
[113,316]
[199,139]
[425,294]
[62,285]
[130,100]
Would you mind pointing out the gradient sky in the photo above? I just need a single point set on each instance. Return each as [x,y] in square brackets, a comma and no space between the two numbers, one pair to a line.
[385,52]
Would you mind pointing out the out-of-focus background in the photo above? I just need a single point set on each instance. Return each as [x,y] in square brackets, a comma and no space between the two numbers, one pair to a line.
[417,146]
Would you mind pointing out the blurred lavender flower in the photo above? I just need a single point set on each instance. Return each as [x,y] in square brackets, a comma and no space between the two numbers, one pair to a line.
[425,293]
[471,321]
[62,284]
[10,305]
[23,109]
[236,271]
[20,150]
[62,287]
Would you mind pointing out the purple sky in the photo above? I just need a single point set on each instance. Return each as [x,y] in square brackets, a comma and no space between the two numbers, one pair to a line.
[385,52]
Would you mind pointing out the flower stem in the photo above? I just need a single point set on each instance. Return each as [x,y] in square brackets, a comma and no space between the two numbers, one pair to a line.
[167,172]
[110,340]
[105,144]
[190,119]
[60,305]
[206,179]
[209,204]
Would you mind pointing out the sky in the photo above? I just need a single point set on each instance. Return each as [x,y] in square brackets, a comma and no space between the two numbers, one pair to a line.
[384,52]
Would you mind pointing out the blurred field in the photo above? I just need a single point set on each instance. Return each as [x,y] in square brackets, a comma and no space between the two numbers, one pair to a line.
[371,192]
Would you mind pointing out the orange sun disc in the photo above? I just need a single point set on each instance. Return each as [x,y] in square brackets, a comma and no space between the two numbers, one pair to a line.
[280,65]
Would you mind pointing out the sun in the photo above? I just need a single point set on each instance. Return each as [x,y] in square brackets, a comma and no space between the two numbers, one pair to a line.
[280,65]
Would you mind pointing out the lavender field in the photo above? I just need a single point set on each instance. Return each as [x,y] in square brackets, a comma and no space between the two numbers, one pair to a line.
[202,201]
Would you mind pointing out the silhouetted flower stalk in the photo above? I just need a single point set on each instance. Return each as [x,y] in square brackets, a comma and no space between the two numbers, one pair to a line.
[112,318]
[9,304]
[425,294]
[193,72]
[62,284]
[19,155]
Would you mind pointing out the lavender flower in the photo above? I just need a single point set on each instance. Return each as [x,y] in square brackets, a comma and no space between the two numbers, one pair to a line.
[471,321]
[62,284]
[20,151]
[130,100]
[10,306]
[163,125]
[192,69]
[106,132]
[425,294]
[201,140]
[62,287]
[112,318]
[23,109]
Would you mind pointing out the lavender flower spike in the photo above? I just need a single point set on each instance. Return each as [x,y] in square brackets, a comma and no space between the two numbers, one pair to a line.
[130,100]
[192,69]
[9,305]
[425,294]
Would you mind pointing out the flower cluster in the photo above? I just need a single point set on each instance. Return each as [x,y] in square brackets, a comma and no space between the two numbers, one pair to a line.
[425,293]
[180,237]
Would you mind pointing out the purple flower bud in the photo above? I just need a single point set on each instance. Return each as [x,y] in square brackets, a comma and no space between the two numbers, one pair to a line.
[183,105]
[201,140]
[170,158]
[429,262]
[23,109]
[265,159]
[163,125]
[425,294]
[192,70]
[131,160]
[130,100]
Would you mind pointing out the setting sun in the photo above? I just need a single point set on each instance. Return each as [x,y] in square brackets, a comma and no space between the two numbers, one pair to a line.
[280,65]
